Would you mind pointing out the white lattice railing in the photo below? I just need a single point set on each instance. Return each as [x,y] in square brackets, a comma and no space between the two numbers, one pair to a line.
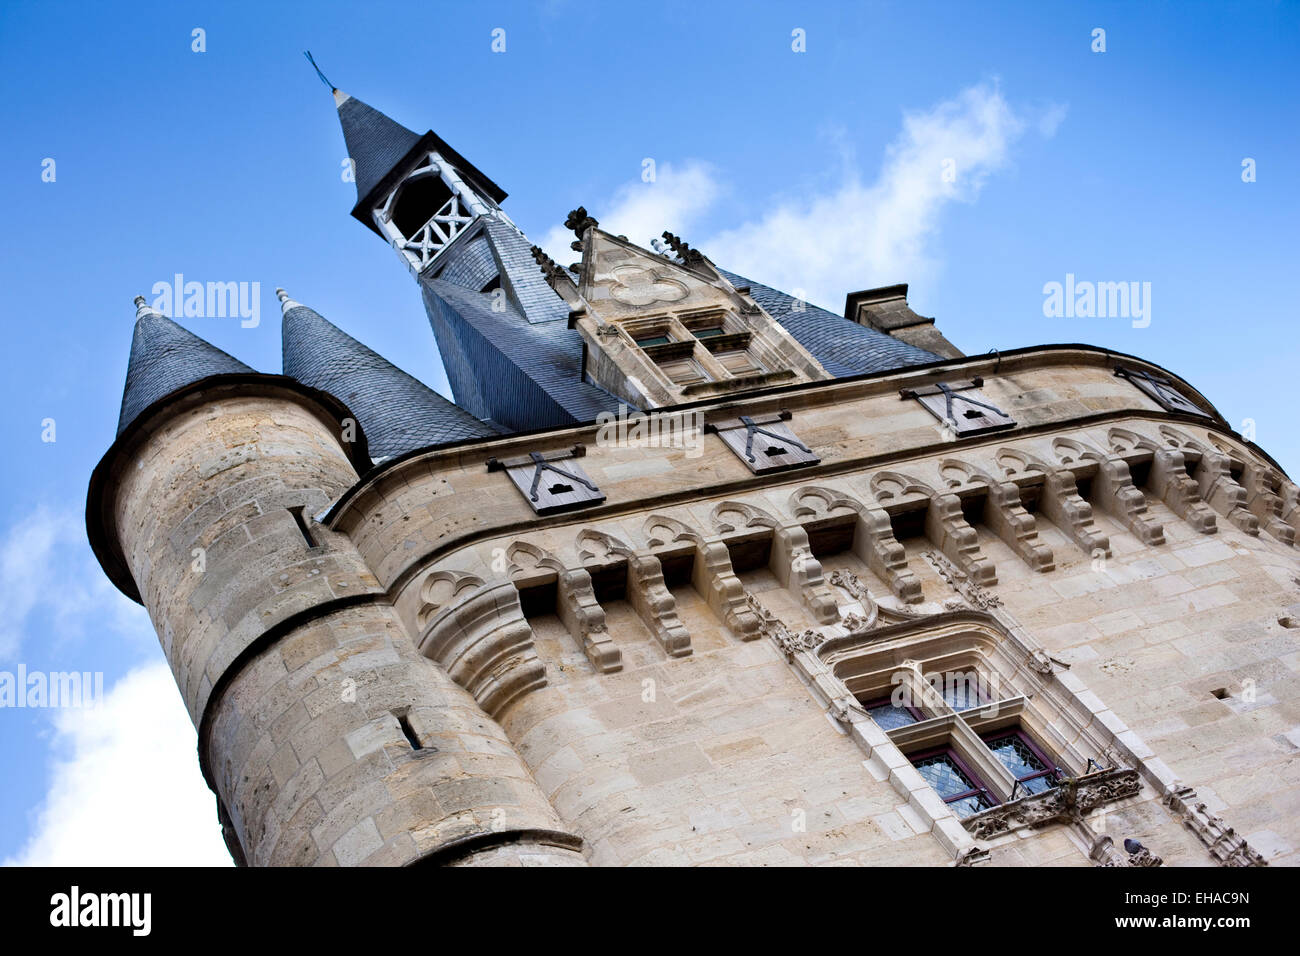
[434,236]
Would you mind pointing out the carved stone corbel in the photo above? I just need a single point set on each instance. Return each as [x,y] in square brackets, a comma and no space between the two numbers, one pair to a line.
[1113,490]
[1059,500]
[947,529]
[645,588]
[484,643]
[584,618]
[575,603]
[1168,476]
[791,558]
[1220,489]
[875,544]
[1263,486]
[798,571]
[712,574]
[1004,513]
[655,604]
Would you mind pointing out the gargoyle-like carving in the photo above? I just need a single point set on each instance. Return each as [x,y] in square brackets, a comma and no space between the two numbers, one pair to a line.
[1068,802]
[684,252]
[580,222]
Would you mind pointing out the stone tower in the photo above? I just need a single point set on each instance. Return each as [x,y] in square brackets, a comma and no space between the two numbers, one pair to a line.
[693,571]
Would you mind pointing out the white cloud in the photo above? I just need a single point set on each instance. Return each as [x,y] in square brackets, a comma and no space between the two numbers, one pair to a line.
[47,570]
[126,789]
[859,234]
[855,234]
[675,200]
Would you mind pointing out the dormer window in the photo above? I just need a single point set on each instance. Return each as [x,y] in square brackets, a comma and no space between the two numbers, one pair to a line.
[650,340]
[708,332]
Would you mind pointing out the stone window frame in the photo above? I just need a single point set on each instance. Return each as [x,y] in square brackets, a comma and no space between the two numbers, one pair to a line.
[679,326]
[1053,706]
[942,726]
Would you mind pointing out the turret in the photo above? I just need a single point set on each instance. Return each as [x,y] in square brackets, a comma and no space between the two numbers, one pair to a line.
[326,736]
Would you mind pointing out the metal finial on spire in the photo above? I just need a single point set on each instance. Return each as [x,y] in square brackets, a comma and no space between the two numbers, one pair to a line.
[323,78]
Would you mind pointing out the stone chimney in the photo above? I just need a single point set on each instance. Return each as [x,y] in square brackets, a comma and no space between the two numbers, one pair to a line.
[886,310]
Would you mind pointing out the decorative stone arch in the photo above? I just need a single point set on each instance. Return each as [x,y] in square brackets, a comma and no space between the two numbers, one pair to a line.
[598,546]
[892,485]
[662,530]
[478,633]
[527,558]
[1016,461]
[1071,453]
[1122,440]
[956,473]
[441,588]
[732,516]
[818,501]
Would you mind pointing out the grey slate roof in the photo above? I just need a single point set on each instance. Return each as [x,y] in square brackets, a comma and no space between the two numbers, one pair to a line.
[165,357]
[502,367]
[843,347]
[397,412]
[375,143]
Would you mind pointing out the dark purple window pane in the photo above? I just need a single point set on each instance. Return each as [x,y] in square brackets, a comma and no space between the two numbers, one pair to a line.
[942,773]
[889,716]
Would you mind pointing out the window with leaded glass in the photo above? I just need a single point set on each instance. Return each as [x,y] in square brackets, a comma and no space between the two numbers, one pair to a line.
[961,691]
[890,715]
[953,780]
[1023,759]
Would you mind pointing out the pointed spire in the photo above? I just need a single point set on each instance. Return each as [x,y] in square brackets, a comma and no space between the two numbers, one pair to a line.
[165,357]
[397,412]
[375,143]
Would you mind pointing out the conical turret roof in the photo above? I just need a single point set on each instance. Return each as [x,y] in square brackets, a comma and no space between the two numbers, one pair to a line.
[165,357]
[397,412]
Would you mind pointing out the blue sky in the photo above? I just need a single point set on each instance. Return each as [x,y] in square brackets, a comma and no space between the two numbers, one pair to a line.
[813,170]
